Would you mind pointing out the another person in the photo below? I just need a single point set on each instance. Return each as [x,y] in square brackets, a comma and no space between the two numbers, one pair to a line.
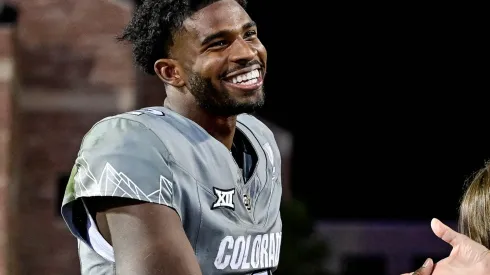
[474,212]
[192,187]
[467,256]
[470,254]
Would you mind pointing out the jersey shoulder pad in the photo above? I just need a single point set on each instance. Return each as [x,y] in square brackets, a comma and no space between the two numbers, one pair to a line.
[255,125]
[122,157]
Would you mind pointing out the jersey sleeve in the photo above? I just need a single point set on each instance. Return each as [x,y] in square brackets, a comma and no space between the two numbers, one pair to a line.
[121,158]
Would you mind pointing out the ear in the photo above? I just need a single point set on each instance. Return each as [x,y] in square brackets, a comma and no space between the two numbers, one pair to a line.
[169,71]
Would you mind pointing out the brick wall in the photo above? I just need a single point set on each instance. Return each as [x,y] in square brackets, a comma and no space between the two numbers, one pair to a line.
[72,73]
[51,141]
[7,139]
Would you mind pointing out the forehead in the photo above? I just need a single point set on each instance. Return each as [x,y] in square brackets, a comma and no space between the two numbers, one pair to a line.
[220,15]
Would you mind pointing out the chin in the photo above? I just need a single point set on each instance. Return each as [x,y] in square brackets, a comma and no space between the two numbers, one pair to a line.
[250,96]
[231,102]
[250,106]
[233,108]
[255,98]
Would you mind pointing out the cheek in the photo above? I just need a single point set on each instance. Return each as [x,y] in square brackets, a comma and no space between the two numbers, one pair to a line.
[210,67]
[261,51]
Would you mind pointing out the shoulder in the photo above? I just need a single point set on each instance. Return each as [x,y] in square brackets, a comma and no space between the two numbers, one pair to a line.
[129,127]
[256,126]
[262,134]
[123,156]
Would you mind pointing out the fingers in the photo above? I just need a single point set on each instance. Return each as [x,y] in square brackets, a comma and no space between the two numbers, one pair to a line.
[426,269]
[445,233]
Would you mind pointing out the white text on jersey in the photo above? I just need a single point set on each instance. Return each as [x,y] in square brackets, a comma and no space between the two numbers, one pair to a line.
[249,252]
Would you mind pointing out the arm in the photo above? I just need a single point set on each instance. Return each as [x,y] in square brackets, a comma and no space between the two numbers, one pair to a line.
[148,239]
[124,175]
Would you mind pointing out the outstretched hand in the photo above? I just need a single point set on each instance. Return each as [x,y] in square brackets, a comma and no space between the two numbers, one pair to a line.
[467,256]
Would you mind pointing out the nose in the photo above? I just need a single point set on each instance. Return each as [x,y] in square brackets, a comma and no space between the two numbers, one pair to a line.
[242,52]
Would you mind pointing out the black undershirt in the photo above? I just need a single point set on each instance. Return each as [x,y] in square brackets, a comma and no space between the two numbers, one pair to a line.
[244,154]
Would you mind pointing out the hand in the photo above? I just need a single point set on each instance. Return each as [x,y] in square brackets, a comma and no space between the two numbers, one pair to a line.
[467,256]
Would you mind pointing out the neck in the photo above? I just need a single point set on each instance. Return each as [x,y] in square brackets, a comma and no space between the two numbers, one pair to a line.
[222,128]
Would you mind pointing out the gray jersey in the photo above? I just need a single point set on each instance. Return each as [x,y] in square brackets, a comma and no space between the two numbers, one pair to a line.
[158,156]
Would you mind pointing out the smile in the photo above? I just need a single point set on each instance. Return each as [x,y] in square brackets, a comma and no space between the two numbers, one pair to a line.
[248,80]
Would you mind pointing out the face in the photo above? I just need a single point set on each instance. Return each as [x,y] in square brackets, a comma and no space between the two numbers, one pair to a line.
[222,61]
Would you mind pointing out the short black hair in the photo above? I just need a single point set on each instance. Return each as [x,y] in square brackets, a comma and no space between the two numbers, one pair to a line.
[153,25]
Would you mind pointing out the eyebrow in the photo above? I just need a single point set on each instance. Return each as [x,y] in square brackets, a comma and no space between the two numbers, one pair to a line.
[222,33]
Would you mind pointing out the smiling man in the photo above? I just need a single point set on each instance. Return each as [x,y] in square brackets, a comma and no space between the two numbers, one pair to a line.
[194,186]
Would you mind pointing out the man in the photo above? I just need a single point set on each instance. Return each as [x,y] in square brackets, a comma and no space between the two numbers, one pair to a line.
[467,256]
[192,187]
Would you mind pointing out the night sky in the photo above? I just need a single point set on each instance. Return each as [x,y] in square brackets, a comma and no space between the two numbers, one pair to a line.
[388,109]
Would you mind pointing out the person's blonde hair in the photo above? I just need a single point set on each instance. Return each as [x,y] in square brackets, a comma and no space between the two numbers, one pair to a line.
[474,212]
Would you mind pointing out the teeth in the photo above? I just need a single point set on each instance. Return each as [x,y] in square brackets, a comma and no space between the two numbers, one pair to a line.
[247,78]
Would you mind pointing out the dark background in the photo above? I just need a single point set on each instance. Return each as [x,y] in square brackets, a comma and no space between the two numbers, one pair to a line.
[387,104]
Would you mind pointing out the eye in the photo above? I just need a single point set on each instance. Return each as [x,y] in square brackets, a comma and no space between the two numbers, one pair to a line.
[250,33]
[218,44]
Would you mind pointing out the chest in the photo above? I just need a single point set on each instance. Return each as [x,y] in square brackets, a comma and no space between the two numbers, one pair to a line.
[234,240]
[240,222]
[247,193]
[232,218]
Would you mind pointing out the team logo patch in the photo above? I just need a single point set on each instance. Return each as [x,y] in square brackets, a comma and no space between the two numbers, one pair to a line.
[224,198]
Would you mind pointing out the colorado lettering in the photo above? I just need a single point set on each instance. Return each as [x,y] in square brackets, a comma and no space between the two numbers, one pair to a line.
[249,252]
